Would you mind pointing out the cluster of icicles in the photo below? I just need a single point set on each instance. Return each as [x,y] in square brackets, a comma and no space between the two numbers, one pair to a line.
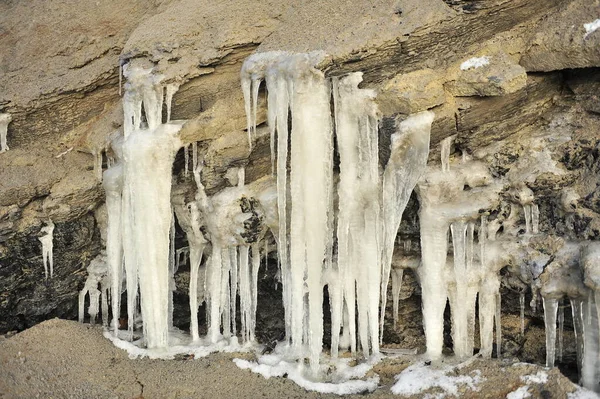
[332,231]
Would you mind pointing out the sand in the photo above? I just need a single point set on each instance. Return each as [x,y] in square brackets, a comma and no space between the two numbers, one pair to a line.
[65,359]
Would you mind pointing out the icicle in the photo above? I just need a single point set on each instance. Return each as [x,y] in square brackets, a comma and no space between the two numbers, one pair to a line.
[241,177]
[247,90]
[233,286]
[214,293]
[186,156]
[98,164]
[47,240]
[498,320]
[561,326]
[194,155]
[5,119]
[396,287]
[589,372]
[170,92]
[245,291]
[535,219]
[459,311]
[97,271]
[446,145]
[225,293]
[172,269]
[113,186]
[120,79]
[522,313]
[254,302]
[359,185]
[527,211]
[550,310]
[577,311]
[255,90]
[148,156]
[407,245]
[407,163]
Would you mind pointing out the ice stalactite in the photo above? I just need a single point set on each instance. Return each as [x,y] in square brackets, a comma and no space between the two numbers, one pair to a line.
[590,364]
[141,223]
[97,276]
[522,311]
[446,204]
[47,240]
[407,163]
[297,85]
[113,187]
[550,312]
[445,148]
[170,90]
[561,327]
[98,158]
[305,233]
[5,119]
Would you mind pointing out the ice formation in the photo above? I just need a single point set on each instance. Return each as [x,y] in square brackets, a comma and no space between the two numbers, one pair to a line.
[138,190]
[591,27]
[5,119]
[47,240]
[97,276]
[369,206]
[332,230]
[420,377]
[474,63]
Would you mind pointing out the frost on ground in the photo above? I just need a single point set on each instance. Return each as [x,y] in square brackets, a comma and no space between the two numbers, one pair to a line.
[179,344]
[419,377]
[521,393]
[540,378]
[591,27]
[474,63]
[344,380]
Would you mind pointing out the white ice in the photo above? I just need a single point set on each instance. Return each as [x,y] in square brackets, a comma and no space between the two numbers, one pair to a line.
[420,377]
[47,240]
[344,379]
[591,27]
[5,119]
[474,63]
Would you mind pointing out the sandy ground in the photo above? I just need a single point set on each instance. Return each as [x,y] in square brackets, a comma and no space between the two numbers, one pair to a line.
[65,359]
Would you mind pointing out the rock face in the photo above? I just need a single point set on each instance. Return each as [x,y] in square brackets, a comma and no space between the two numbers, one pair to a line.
[516,83]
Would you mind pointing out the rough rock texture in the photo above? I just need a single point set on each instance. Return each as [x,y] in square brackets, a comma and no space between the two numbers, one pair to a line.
[532,115]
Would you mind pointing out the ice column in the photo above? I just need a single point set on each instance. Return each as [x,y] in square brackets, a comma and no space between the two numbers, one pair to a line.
[148,152]
[47,240]
[113,187]
[5,119]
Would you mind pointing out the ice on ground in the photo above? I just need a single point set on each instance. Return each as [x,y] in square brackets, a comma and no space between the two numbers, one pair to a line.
[521,393]
[179,344]
[344,380]
[591,27]
[474,63]
[419,377]
[540,378]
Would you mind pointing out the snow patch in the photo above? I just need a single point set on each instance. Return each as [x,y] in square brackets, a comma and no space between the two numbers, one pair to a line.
[591,27]
[540,378]
[420,377]
[345,379]
[474,63]
[521,393]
